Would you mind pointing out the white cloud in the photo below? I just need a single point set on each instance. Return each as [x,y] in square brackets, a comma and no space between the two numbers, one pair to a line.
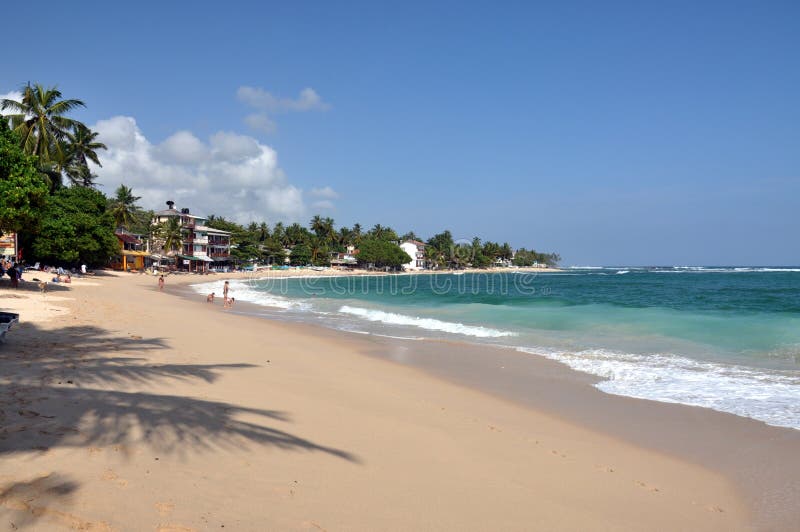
[324,192]
[183,147]
[13,95]
[307,100]
[261,122]
[322,204]
[267,104]
[232,175]
[230,146]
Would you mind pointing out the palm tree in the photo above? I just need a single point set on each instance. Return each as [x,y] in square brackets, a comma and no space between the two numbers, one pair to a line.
[81,148]
[411,235]
[317,225]
[123,207]
[40,121]
[263,232]
[279,233]
[172,235]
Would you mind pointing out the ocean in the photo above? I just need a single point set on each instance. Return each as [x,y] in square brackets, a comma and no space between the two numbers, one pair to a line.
[725,338]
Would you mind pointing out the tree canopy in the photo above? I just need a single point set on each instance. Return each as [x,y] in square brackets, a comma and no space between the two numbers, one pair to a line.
[76,228]
[23,192]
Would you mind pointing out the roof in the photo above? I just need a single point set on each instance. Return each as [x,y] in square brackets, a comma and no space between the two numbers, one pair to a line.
[415,242]
[128,238]
[211,230]
[167,212]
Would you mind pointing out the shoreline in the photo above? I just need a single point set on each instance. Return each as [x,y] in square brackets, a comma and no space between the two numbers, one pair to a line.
[358,439]
[706,437]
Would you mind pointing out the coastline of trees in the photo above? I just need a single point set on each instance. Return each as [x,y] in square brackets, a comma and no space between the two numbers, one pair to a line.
[41,148]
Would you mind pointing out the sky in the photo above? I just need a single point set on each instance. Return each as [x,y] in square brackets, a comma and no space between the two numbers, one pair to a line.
[613,133]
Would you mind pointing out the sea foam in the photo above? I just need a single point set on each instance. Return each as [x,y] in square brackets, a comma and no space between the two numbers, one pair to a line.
[242,291]
[773,397]
[430,324]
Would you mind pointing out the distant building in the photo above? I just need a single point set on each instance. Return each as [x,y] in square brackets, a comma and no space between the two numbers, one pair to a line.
[345,260]
[132,254]
[203,247]
[415,250]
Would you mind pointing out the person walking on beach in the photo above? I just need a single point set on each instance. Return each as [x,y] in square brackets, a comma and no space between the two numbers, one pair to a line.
[161,282]
[225,291]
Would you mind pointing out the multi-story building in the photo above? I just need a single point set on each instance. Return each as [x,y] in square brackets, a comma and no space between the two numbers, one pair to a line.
[415,250]
[203,247]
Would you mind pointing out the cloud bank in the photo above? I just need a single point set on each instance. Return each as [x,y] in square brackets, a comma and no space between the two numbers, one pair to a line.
[231,175]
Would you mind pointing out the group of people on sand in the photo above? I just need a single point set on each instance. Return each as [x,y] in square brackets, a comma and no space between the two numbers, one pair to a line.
[227,301]
[13,270]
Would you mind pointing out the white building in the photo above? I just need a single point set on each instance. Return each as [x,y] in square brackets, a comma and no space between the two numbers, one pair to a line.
[415,250]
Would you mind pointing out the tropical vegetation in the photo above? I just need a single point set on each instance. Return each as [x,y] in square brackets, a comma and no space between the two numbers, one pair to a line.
[48,196]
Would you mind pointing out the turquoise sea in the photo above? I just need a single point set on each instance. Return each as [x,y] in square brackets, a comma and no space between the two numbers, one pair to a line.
[719,337]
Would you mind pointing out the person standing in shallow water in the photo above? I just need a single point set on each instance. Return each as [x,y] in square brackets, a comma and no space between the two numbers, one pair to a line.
[161,282]
[225,291]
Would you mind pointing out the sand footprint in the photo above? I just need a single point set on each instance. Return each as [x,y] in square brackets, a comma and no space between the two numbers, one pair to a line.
[164,508]
[647,487]
[111,476]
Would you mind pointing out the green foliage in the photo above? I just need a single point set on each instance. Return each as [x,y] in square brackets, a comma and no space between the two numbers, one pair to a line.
[383,233]
[525,257]
[40,122]
[81,147]
[300,255]
[123,207]
[170,233]
[23,193]
[381,253]
[440,250]
[61,144]
[76,228]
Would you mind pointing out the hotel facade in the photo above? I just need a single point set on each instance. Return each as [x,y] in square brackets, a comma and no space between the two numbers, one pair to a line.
[204,247]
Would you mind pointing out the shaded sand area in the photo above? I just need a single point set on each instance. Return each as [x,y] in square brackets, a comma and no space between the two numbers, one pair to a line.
[133,409]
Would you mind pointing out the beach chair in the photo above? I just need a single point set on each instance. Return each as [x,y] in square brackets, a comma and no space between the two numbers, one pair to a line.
[7,319]
[33,268]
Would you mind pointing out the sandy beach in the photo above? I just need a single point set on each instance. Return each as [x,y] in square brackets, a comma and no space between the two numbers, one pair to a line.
[126,408]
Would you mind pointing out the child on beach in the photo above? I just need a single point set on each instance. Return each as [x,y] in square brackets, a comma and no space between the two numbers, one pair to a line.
[210,298]
[228,303]
[161,283]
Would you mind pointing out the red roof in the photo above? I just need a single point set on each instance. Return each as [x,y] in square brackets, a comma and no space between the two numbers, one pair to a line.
[128,238]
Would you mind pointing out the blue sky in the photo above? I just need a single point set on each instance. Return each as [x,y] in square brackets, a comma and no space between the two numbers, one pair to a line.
[613,133]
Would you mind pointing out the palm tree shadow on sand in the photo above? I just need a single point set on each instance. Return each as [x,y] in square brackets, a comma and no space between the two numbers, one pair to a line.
[57,395]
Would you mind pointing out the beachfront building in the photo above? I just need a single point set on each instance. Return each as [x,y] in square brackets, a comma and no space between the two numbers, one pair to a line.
[204,247]
[346,259]
[132,253]
[415,250]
